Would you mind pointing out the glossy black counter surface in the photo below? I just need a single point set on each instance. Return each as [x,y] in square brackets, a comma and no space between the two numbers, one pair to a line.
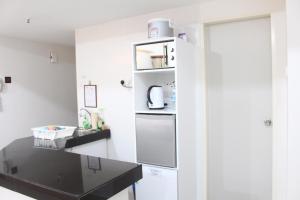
[78,138]
[59,175]
[84,138]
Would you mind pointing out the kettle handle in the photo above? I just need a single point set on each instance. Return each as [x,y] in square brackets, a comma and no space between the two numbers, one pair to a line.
[148,93]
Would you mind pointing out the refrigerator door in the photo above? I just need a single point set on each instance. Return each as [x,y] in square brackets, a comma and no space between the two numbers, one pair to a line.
[157,184]
[156,140]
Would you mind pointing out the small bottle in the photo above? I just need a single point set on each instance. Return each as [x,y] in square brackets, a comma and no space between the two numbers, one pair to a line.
[173,98]
[172,95]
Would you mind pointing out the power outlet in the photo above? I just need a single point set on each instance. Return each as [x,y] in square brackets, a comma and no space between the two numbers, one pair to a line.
[7,79]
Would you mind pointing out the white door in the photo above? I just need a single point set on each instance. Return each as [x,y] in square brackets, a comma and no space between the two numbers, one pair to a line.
[239,89]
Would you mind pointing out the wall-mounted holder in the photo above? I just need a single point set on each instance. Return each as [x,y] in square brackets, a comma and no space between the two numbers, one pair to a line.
[1,85]
[4,81]
[126,84]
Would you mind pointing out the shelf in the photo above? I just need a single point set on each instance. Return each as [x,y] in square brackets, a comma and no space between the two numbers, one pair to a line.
[155,40]
[154,71]
[165,111]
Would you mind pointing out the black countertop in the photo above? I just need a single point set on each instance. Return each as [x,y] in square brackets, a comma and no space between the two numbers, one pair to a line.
[58,175]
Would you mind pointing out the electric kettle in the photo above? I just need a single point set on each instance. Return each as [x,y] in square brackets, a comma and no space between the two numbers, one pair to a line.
[155,97]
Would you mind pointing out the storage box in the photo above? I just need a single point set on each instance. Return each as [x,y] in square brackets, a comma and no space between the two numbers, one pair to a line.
[60,132]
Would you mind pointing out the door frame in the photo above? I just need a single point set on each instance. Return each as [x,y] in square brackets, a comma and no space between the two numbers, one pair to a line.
[279,105]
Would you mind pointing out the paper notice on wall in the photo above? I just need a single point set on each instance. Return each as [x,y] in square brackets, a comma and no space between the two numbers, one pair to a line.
[90,96]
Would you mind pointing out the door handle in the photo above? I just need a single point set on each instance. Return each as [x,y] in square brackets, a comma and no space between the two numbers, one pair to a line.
[268,123]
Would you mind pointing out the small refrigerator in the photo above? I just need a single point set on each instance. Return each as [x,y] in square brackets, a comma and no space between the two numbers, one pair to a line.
[157,184]
[156,140]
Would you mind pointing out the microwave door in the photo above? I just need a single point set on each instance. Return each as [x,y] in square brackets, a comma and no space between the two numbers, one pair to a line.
[156,140]
[148,54]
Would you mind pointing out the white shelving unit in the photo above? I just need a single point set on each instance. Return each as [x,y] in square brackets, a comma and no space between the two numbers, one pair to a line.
[155,71]
[164,111]
[163,183]
[144,79]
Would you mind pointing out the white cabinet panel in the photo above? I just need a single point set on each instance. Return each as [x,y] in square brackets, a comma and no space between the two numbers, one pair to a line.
[123,195]
[96,149]
[157,184]
[11,195]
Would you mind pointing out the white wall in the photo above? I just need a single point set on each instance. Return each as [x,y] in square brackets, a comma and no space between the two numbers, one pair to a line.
[103,54]
[41,93]
[105,62]
[293,33]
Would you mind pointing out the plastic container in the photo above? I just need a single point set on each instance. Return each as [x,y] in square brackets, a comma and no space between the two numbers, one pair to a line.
[46,134]
[158,28]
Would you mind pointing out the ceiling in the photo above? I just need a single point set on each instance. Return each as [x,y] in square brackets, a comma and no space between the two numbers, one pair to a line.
[54,21]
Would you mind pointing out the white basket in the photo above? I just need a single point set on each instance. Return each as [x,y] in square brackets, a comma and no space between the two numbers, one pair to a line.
[43,133]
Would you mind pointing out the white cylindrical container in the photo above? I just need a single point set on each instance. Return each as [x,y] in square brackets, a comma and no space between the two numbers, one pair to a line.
[95,119]
[158,28]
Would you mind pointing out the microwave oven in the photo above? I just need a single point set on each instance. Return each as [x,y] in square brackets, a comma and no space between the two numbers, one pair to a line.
[155,55]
